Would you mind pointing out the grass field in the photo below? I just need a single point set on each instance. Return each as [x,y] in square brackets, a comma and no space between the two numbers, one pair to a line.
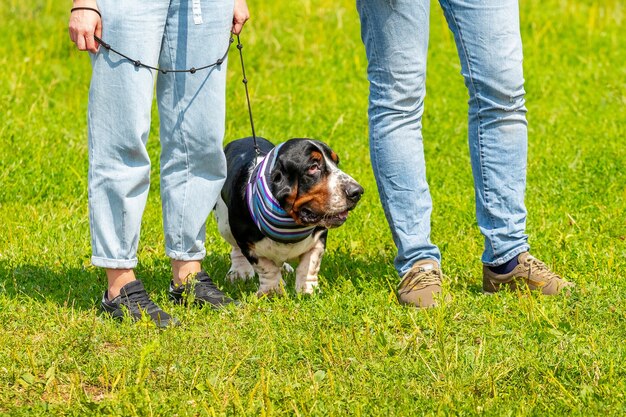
[351,350]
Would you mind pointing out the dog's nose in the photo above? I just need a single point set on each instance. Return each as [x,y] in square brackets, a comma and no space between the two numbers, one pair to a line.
[354,191]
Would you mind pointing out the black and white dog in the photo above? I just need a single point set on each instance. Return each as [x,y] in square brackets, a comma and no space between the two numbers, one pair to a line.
[279,208]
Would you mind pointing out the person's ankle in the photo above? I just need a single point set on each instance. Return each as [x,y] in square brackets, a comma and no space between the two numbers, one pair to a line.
[117,278]
[182,270]
[506,267]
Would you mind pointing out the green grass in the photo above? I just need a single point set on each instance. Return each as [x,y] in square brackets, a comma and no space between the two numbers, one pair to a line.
[352,350]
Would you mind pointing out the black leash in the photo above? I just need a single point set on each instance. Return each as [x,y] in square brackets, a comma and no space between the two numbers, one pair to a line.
[138,63]
[245,83]
[193,70]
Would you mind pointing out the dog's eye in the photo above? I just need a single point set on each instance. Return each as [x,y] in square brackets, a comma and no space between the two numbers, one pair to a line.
[313,169]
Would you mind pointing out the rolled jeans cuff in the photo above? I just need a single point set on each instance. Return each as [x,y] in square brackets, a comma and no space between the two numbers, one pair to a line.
[510,255]
[182,256]
[113,263]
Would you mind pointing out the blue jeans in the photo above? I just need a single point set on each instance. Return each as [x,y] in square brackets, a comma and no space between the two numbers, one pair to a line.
[192,123]
[487,35]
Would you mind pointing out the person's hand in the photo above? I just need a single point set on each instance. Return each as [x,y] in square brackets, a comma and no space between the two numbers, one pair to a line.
[84,24]
[240,16]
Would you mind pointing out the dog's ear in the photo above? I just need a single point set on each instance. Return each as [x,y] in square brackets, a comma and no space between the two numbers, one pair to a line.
[283,185]
[326,150]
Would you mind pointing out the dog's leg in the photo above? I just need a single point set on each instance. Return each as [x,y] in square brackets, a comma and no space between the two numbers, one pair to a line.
[310,262]
[270,278]
[240,268]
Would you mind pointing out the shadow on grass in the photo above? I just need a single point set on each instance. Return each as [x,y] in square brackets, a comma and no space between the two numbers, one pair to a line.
[63,286]
[82,288]
[337,267]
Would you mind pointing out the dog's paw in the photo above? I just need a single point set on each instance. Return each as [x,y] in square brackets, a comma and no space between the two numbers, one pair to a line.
[270,291]
[240,268]
[309,288]
[235,274]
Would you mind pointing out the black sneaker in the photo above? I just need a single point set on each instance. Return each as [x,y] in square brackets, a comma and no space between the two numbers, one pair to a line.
[134,301]
[204,292]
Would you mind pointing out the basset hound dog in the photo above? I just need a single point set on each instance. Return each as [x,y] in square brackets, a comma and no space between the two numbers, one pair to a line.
[278,207]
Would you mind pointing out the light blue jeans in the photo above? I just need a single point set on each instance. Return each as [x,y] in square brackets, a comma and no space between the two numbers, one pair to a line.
[192,123]
[487,35]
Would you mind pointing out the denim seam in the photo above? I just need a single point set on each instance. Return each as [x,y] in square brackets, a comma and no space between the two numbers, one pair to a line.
[484,191]
[179,111]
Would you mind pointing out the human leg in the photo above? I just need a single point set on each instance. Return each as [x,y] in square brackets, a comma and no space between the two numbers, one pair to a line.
[489,44]
[395,35]
[192,113]
[120,99]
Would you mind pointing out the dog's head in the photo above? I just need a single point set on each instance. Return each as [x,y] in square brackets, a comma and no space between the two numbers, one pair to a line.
[309,186]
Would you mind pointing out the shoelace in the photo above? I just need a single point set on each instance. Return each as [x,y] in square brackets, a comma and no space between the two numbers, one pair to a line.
[204,285]
[208,284]
[421,276]
[141,300]
[540,269]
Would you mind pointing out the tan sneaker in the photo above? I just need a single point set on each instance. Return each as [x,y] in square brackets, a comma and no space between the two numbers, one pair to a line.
[530,272]
[421,284]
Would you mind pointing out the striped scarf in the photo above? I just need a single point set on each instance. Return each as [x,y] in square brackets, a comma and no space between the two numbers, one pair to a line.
[266,212]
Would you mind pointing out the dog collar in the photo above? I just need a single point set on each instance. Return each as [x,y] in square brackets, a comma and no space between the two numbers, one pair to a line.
[266,212]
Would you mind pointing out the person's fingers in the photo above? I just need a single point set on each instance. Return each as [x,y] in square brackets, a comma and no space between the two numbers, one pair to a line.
[240,16]
[82,26]
[238,22]
[80,43]
[98,31]
[90,43]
